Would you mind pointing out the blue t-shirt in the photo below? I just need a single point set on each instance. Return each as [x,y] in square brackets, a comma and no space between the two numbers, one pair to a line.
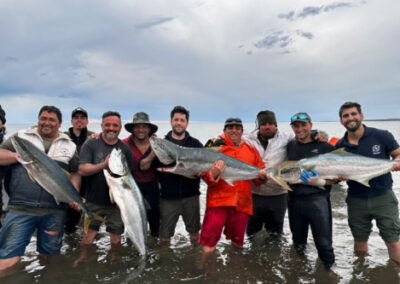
[375,143]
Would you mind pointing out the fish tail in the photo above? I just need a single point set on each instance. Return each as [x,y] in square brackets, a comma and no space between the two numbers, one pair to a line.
[281,182]
[88,220]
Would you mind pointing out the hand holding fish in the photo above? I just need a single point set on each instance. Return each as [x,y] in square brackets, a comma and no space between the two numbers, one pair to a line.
[75,206]
[311,178]
[396,167]
[262,175]
[217,168]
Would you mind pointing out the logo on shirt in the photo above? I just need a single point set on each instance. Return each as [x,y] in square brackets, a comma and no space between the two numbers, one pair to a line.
[315,151]
[376,150]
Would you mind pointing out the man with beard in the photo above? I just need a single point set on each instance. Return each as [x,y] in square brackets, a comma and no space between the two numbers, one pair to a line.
[377,202]
[179,194]
[78,134]
[95,154]
[144,173]
[270,199]
[31,208]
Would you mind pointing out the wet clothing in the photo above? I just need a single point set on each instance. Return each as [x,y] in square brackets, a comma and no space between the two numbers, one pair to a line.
[383,208]
[179,195]
[221,194]
[268,212]
[216,218]
[188,207]
[18,230]
[176,186]
[377,202]
[95,151]
[269,199]
[375,143]
[148,184]
[73,216]
[112,216]
[310,206]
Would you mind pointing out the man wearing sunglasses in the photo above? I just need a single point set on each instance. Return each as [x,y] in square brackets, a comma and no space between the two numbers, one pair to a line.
[377,201]
[308,204]
[270,199]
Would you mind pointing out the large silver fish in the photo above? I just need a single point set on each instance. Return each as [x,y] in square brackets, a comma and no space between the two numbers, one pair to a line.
[126,194]
[332,165]
[47,173]
[192,161]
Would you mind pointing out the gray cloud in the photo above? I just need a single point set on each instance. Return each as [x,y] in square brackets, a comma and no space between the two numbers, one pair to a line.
[305,34]
[288,16]
[314,10]
[310,11]
[11,59]
[273,40]
[154,23]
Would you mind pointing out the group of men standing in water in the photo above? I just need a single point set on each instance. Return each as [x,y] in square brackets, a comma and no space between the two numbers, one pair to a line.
[245,207]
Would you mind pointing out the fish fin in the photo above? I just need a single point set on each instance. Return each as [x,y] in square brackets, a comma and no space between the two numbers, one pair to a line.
[111,197]
[341,151]
[281,182]
[68,174]
[28,167]
[215,148]
[88,220]
[364,182]
[146,204]
[284,164]
[322,187]
[228,181]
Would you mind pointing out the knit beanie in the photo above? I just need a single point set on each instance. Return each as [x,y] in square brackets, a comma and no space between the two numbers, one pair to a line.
[2,115]
[266,116]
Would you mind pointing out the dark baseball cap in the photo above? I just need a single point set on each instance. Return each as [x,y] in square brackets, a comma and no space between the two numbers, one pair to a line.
[300,116]
[79,109]
[233,121]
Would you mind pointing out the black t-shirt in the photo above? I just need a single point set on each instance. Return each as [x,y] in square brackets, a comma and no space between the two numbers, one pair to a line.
[95,151]
[297,151]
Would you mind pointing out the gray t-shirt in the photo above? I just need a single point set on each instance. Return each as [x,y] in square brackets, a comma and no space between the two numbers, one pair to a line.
[94,151]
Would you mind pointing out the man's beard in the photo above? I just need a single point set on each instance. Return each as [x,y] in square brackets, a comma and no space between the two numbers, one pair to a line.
[355,128]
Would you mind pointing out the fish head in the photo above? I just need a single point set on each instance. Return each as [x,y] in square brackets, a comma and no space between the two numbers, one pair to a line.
[165,150]
[117,163]
[23,147]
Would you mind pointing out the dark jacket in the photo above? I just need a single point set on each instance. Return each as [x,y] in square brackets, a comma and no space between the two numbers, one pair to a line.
[174,186]
[79,140]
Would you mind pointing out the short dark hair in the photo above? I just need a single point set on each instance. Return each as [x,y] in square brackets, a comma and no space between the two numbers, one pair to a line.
[51,109]
[111,113]
[347,105]
[180,109]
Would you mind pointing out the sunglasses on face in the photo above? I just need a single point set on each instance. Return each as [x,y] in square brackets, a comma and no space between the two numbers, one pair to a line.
[299,116]
[233,120]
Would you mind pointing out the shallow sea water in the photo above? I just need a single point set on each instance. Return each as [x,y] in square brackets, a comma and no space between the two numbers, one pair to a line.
[265,259]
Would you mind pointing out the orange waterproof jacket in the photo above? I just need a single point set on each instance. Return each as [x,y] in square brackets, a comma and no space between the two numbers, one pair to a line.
[220,193]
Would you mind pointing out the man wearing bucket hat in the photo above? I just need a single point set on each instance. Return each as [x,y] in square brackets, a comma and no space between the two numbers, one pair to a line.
[270,199]
[144,173]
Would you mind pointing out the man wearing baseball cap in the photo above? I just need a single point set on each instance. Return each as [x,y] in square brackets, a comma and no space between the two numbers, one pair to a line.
[78,134]
[308,204]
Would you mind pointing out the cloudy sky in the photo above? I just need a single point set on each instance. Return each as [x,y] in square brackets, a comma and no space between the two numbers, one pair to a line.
[218,58]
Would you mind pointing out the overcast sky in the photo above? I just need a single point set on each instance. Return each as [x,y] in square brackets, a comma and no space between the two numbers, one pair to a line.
[218,58]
